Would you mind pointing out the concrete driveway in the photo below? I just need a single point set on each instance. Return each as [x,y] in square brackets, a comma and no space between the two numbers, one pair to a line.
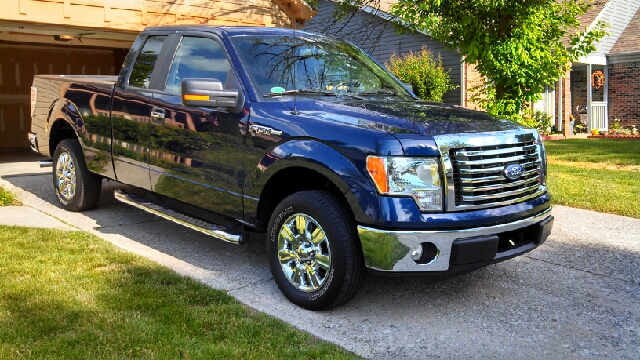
[577,296]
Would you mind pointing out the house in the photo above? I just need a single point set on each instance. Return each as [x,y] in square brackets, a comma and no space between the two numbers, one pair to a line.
[617,58]
[604,85]
[92,37]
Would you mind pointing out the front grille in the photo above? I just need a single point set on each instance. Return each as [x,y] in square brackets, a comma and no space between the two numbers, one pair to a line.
[478,173]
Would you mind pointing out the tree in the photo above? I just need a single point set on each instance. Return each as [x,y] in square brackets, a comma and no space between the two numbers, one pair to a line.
[520,45]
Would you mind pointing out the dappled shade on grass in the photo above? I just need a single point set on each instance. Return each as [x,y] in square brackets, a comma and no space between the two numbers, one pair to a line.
[73,295]
[601,175]
[615,152]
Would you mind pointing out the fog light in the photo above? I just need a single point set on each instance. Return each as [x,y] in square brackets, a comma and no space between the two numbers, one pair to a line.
[425,253]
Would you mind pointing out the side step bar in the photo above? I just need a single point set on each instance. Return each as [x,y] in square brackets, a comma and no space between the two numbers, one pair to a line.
[204,227]
[46,163]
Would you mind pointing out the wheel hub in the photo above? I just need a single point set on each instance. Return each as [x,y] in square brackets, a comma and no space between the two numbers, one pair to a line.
[304,252]
[66,176]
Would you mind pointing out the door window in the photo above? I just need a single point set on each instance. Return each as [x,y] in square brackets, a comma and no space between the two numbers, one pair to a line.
[146,61]
[198,58]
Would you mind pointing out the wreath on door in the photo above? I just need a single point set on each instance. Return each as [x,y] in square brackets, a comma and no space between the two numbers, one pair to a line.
[597,79]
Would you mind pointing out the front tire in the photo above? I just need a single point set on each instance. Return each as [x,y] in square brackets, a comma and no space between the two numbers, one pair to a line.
[314,251]
[76,187]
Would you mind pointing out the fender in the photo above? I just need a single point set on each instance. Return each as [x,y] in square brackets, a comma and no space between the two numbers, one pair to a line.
[312,155]
[96,148]
[62,110]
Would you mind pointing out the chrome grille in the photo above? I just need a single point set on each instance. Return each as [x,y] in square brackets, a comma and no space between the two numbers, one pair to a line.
[478,173]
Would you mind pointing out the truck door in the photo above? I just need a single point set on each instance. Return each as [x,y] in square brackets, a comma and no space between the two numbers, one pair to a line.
[198,152]
[133,108]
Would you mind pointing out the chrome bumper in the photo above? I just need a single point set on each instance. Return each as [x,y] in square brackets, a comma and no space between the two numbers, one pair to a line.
[390,251]
[33,140]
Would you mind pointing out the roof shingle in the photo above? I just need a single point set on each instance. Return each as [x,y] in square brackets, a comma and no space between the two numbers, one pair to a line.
[629,41]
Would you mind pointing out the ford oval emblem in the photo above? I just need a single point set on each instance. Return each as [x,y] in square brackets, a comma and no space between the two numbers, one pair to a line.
[513,171]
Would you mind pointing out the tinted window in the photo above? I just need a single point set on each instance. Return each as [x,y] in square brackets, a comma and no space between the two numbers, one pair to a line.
[197,58]
[146,61]
[279,63]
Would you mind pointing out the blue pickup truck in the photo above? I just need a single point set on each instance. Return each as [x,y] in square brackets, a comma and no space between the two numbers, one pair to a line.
[302,138]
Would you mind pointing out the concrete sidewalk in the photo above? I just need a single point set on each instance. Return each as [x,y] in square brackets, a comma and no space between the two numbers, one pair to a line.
[577,296]
[25,162]
[29,217]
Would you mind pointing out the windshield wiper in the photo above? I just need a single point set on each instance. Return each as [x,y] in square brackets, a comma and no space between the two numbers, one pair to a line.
[380,92]
[301,92]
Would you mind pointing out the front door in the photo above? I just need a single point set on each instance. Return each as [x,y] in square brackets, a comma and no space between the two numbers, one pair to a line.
[131,113]
[196,153]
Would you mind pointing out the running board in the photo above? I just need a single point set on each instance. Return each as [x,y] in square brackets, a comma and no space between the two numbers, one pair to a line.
[204,227]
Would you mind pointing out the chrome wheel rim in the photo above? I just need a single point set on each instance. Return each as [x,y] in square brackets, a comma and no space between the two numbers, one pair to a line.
[304,252]
[66,176]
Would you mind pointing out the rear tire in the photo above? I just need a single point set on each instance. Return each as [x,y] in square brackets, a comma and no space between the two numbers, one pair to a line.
[76,187]
[314,251]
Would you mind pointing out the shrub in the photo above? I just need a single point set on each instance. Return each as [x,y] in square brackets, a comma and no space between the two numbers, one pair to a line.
[537,119]
[7,198]
[428,77]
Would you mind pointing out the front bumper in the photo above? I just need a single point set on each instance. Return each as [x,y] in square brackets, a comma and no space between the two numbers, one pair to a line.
[451,250]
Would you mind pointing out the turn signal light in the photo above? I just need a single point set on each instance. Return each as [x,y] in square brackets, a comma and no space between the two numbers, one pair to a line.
[376,168]
[192,97]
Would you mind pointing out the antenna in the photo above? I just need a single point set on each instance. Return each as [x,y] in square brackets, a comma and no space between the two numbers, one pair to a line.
[295,65]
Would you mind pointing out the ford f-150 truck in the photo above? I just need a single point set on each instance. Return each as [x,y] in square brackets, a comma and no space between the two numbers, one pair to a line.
[230,130]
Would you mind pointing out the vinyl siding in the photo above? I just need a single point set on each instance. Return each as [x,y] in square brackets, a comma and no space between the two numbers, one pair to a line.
[618,15]
[378,38]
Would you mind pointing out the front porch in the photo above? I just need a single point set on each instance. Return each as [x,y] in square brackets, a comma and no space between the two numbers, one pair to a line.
[589,96]
[579,98]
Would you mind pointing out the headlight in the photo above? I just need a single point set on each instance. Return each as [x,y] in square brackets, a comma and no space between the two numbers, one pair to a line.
[403,176]
[543,163]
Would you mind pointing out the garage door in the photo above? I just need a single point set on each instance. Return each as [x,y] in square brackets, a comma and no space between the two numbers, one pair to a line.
[19,63]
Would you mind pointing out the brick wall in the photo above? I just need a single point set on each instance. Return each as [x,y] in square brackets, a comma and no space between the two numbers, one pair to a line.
[473,80]
[624,93]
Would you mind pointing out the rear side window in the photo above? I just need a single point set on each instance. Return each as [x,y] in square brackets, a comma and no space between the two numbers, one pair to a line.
[198,58]
[146,61]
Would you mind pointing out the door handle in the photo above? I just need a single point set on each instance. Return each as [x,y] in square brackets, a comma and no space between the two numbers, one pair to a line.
[157,113]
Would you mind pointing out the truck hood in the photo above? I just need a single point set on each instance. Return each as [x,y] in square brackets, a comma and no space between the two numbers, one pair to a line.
[409,117]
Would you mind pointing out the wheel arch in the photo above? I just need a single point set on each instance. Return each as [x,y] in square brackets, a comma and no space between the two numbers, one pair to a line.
[298,166]
[61,129]
[64,123]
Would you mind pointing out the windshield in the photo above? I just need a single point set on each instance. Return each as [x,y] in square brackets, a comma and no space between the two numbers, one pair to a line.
[279,66]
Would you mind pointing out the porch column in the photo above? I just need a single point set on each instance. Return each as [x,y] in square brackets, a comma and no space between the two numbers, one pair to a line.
[564,103]
[589,96]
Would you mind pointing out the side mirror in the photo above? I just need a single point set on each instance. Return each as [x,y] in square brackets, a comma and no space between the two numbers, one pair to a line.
[209,93]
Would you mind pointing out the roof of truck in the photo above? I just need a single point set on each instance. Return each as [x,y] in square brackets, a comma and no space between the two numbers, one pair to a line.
[231,30]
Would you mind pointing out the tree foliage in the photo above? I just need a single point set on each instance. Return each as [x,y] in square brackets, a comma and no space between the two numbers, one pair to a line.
[429,79]
[520,45]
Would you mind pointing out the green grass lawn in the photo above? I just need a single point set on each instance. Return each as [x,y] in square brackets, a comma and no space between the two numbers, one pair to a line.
[73,295]
[7,198]
[596,174]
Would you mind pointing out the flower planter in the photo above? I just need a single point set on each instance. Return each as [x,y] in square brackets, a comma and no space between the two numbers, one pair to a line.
[552,137]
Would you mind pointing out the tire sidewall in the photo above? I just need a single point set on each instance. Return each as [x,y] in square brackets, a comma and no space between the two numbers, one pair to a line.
[76,200]
[324,296]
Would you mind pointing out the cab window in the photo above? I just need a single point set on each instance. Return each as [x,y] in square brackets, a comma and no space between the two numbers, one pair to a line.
[146,61]
[198,58]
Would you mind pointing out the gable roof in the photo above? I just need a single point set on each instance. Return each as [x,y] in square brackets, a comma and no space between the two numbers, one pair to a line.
[590,16]
[629,41]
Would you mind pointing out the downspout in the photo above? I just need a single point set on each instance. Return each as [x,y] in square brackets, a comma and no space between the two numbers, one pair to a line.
[463,83]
